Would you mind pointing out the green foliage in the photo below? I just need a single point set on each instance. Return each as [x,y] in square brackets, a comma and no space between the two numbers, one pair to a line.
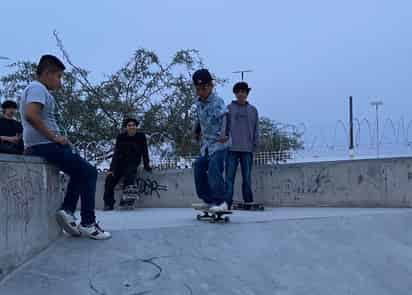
[160,95]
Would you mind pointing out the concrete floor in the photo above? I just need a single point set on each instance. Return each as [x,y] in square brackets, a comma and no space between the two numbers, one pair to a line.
[278,251]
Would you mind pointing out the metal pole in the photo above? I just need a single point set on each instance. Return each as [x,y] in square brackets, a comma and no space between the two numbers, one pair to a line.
[242,72]
[377,131]
[376,104]
[351,154]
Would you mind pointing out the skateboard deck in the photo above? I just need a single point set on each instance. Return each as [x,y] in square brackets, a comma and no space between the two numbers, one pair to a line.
[129,198]
[213,217]
[248,206]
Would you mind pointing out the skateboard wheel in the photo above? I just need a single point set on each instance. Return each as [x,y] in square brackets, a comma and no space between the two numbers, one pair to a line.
[199,217]
[262,208]
[226,219]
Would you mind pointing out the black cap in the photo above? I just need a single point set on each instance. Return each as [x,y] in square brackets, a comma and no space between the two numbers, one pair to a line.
[241,86]
[202,77]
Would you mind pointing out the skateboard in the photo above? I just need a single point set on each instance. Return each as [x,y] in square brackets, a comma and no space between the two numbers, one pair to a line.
[130,195]
[213,217]
[248,206]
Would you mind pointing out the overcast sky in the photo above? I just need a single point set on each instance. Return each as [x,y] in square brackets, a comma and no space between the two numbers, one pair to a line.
[307,57]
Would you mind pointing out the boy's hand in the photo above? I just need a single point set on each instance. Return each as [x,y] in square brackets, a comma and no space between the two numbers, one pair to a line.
[12,139]
[110,173]
[15,139]
[223,139]
[61,140]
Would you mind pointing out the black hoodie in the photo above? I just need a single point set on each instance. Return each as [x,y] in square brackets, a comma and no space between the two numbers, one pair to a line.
[130,150]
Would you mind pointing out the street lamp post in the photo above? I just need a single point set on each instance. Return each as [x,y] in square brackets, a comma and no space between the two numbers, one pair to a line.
[376,104]
[242,72]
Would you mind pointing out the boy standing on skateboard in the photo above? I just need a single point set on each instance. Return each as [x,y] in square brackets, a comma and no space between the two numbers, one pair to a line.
[210,129]
[243,126]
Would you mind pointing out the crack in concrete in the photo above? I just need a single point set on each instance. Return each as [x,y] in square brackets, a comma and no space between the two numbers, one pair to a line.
[93,288]
[152,262]
[45,275]
[188,288]
[159,268]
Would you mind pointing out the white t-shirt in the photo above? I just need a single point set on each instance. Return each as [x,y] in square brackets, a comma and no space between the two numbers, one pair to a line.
[37,92]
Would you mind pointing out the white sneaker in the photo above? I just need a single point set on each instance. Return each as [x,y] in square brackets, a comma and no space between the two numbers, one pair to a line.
[201,206]
[222,207]
[94,231]
[67,222]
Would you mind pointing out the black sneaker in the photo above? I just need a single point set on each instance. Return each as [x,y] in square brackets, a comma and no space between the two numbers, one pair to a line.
[108,208]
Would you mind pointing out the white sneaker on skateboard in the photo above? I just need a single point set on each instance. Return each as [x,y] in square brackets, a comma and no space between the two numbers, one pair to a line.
[201,206]
[220,208]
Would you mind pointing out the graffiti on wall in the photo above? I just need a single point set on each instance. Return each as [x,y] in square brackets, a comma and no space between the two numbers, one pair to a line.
[19,189]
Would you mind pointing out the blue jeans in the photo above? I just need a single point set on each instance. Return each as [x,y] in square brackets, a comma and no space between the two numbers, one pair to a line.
[83,177]
[209,181]
[246,162]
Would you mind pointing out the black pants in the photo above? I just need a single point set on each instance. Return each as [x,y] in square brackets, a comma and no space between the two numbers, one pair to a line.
[129,174]
[10,148]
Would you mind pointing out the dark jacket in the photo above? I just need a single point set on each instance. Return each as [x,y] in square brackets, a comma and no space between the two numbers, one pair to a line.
[129,150]
[11,128]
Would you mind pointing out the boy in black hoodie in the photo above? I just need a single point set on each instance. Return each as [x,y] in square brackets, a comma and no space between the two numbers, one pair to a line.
[130,148]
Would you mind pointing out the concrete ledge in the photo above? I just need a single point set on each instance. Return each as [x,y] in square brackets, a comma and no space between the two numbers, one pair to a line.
[21,159]
[355,183]
[30,193]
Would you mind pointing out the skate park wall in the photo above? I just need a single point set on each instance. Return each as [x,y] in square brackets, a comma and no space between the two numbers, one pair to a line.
[348,183]
[30,193]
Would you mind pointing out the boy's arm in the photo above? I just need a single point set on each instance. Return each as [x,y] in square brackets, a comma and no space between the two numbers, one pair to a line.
[222,112]
[115,159]
[197,130]
[17,138]
[32,116]
[146,160]
[224,131]
[256,133]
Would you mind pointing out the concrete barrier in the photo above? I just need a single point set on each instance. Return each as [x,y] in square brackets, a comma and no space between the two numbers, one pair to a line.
[30,193]
[356,183]
[29,196]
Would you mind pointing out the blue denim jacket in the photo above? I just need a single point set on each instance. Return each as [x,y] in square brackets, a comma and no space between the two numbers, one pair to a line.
[211,118]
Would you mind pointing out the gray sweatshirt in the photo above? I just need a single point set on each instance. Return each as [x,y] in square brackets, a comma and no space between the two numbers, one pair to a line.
[243,127]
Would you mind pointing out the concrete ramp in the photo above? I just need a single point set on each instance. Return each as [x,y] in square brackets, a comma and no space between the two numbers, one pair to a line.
[279,251]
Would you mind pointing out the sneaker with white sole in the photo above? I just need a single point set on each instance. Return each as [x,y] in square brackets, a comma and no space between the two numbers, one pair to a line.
[201,206]
[67,222]
[220,208]
[94,231]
